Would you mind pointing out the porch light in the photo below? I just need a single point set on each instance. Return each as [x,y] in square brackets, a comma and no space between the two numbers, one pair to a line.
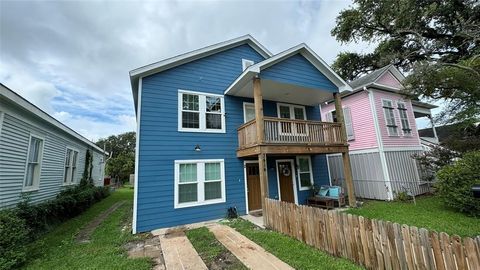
[197,148]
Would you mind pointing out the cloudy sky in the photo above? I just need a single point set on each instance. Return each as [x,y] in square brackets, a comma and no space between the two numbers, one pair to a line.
[72,58]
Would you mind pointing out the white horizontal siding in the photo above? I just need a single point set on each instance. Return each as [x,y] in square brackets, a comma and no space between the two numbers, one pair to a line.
[14,139]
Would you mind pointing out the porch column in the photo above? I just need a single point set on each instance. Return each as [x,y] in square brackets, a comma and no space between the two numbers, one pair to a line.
[347,170]
[433,128]
[258,100]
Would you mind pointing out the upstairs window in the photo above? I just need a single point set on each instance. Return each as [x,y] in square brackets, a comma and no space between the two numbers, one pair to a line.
[33,167]
[402,111]
[70,172]
[248,111]
[246,63]
[199,182]
[390,121]
[200,112]
[347,117]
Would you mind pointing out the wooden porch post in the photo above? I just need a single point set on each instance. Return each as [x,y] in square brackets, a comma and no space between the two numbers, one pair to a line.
[347,170]
[258,100]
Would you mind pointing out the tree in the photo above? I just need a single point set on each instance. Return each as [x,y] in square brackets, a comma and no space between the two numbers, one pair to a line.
[436,42]
[122,154]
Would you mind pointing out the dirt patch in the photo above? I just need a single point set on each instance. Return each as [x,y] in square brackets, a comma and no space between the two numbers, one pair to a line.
[148,247]
[84,235]
[224,260]
[175,232]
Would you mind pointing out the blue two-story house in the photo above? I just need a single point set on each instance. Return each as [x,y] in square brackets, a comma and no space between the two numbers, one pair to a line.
[228,125]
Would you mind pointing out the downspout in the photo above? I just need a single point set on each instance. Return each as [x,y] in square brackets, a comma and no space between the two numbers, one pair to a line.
[381,152]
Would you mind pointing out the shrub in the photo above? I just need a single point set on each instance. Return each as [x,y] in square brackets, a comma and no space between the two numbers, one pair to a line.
[455,182]
[26,222]
[13,240]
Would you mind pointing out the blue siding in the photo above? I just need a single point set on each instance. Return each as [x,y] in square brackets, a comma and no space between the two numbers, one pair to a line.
[161,143]
[297,70]
[320,176]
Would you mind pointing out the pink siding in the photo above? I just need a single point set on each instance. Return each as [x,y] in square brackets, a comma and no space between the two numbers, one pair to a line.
[400,140]
[389,80]
[362,120]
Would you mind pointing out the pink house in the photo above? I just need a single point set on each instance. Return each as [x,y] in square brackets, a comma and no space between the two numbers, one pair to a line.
[382,135]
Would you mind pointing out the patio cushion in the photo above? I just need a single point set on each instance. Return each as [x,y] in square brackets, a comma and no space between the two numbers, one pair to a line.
[334,192]
[323,191]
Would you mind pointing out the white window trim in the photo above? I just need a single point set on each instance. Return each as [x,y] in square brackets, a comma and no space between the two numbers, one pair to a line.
[70,182]
[298,172]
[200,182]
[394,118]
[36,180]
[202,112]
[400,118]
[292,111]
[292,117]
[244,110]
[246,63]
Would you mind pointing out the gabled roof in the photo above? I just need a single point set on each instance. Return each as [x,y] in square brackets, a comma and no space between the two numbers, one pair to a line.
[15,98]
[373,76]
[305,51]
[181,59]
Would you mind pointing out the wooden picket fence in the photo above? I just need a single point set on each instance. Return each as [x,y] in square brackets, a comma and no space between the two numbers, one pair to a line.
[375,244]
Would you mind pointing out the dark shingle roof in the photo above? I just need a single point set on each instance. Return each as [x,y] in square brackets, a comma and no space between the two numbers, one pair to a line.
[369,78]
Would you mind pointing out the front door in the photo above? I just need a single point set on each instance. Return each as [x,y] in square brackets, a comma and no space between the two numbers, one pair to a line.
[285,181]
[253,187]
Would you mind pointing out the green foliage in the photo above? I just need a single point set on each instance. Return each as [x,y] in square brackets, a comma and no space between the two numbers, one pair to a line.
[437,42]
[28,221]
[293,252]
[433,160]
[455,182]
[210,249]
[429,212]
[58,248]
[87,171]
[402,196]
[13,240]
[122,154]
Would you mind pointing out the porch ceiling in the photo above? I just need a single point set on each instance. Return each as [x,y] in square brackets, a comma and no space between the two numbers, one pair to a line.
[281,92]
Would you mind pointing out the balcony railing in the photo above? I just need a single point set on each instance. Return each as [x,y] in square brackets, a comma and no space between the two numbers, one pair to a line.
[286,131]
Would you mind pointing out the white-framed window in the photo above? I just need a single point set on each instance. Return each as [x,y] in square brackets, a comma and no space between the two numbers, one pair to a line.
[199,182]
[246,63]
[248,111]
[34,163]
[294,112]
[71,158]
[389,114]
[200,112]
[304,170]
[347,118]
[402,112]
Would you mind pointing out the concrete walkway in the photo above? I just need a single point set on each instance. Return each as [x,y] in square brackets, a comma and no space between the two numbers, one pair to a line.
[179,253]
[250,254]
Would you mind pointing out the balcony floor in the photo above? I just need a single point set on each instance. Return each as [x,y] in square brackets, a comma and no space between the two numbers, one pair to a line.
[294,149]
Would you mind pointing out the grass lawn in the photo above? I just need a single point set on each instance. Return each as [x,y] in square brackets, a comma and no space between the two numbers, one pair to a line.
[295,253]
[58,249]
[428,213]
[211,251]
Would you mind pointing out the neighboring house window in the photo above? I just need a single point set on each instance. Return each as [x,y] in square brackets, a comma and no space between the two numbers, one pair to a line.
[402,111]
[305,176]
[347,117]
[390,117]
[34,162]
[248,111]
[199,182]
[71,157]
[200,112]
[246,63]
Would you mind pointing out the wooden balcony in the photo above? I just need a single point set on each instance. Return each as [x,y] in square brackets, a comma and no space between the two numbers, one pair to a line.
[285,136]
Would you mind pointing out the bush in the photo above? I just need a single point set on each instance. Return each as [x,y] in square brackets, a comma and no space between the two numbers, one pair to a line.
[13,240]
[26,222]
[455,183]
